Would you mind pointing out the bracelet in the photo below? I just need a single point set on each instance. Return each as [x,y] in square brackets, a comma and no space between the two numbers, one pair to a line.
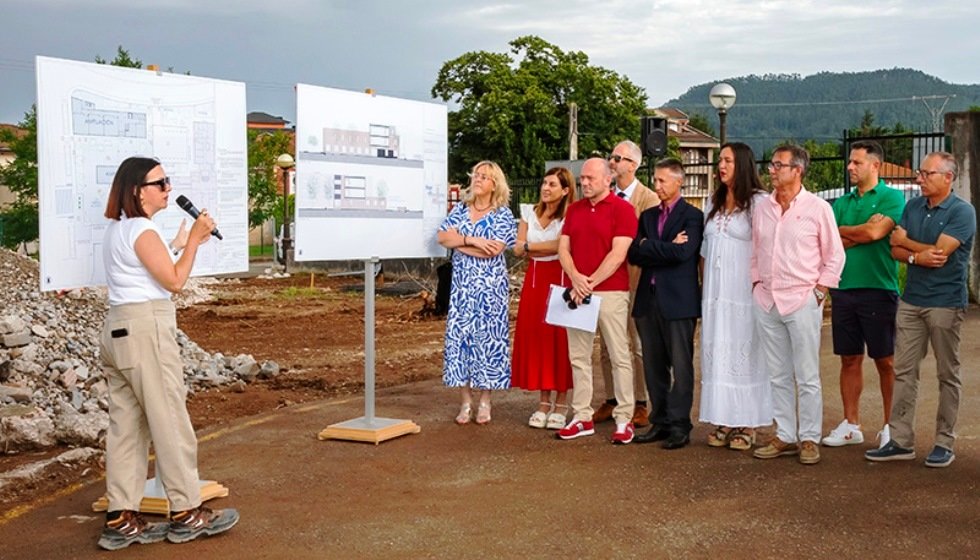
[465,242]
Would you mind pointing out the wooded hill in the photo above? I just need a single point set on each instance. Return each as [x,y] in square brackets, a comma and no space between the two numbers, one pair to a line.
[775,107]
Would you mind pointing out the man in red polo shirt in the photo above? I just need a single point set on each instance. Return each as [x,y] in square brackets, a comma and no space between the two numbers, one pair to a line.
[597,232]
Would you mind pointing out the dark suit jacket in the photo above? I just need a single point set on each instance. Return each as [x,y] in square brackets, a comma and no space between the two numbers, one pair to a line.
[676,266]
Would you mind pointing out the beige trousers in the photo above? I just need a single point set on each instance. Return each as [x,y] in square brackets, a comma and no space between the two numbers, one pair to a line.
[916,328]
[613,320]
[636,351]
[147,403]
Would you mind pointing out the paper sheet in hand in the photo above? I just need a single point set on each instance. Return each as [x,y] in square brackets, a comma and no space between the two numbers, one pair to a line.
[584,318]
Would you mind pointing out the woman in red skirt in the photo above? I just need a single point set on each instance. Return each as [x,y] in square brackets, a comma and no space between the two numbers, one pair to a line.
[541,350]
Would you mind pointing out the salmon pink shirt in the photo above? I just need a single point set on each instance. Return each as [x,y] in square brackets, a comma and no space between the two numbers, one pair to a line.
[793,251]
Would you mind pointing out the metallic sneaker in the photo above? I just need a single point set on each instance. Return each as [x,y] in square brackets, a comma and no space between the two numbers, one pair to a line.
[576,428]
[940,457]
[188,525]
[844,434]
[809,453]
[776,448]
[129,528]
[890,452]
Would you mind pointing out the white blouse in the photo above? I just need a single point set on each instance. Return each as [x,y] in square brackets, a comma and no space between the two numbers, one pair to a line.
[538,234]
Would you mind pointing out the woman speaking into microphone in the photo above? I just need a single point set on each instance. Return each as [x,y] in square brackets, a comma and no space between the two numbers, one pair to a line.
[143,366]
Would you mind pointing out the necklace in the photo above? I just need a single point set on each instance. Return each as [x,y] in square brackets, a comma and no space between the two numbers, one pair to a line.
[484,209]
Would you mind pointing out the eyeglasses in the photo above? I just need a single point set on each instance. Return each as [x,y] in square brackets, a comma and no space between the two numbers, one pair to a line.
[481,176]
[777,165]
[161,184]
[617,158]
[925,174]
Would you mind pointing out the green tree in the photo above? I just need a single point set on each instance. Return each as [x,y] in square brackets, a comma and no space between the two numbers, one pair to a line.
[263,148]
[824,174]
[20,217]
[701,122]
[122,59]
[513,107]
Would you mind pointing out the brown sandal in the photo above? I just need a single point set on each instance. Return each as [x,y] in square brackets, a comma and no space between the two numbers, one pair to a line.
[741,439]
[719,437]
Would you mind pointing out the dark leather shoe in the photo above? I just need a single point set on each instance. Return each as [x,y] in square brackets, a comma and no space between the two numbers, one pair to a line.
[653,434]
[677,440]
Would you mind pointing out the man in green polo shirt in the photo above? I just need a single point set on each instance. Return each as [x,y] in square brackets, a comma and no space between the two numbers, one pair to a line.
[935,236]
[865,303]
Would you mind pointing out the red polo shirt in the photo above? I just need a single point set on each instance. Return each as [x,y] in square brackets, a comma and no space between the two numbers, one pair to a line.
[591,230]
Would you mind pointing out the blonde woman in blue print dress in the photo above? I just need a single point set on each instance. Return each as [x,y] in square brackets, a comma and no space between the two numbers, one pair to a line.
[479,229]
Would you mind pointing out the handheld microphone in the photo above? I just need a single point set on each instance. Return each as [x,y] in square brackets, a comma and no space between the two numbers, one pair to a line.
[188,206]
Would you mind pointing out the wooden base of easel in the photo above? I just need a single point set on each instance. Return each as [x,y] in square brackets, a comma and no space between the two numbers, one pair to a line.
[155,499]
[374,431]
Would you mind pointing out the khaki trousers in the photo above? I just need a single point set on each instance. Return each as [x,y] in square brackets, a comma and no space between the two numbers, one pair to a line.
[613,320]
[147,403]
[916,327]
[636,350]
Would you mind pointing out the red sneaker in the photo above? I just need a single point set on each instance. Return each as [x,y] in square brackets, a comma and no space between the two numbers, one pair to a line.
[624,435]
[576,428]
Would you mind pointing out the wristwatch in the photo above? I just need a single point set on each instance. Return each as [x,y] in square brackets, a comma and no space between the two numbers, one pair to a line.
[526,247]
[911,258]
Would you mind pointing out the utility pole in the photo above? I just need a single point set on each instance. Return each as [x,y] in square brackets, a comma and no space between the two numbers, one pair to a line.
[572,131]
[936,115]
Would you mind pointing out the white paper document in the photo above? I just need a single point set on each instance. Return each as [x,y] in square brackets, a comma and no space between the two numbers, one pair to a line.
[584,318]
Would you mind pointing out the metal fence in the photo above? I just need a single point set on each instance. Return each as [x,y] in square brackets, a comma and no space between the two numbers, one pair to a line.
[827,174]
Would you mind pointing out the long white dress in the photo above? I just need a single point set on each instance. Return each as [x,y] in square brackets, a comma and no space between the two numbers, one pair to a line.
[735,388]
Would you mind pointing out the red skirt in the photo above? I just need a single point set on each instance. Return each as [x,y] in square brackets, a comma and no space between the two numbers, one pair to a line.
[540,360]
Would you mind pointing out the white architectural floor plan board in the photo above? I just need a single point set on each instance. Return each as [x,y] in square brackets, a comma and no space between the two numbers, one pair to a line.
[92,116]
[370,175]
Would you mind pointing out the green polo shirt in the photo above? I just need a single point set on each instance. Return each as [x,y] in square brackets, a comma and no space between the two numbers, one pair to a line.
[870,265]
[944,286]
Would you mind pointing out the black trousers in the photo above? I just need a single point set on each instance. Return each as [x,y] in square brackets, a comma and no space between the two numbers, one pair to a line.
[668,366]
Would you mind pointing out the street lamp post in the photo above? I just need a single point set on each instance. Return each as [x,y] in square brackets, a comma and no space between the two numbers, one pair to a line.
[285,163]
[722,98]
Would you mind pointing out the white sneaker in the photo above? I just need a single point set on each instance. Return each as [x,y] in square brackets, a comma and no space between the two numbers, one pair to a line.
[844,434]
[884,436]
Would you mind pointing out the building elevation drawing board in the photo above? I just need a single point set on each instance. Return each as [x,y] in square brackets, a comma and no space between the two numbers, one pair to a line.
[92,116]
[370,175]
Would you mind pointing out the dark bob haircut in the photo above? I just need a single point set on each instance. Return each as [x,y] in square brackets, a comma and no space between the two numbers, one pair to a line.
[124,196]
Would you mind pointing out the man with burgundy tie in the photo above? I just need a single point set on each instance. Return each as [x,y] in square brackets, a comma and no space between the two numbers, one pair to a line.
[668,303]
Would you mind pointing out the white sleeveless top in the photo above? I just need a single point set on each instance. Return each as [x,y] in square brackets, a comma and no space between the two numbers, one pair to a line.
[538,234]
[128,280]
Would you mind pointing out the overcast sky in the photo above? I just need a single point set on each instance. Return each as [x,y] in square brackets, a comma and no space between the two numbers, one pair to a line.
[398,46]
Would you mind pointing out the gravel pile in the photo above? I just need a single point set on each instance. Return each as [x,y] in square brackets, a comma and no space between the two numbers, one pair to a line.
[52,390]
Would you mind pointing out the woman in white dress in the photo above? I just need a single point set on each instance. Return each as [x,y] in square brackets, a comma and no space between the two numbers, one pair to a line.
[735,390]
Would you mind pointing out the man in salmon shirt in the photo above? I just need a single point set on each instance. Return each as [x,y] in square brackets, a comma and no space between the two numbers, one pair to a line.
[797,257]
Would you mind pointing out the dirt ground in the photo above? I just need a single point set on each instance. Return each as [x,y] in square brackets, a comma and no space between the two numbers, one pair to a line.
[504,490]
[316,335]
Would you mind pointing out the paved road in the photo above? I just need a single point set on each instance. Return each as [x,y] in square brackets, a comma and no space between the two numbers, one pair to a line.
[509,491]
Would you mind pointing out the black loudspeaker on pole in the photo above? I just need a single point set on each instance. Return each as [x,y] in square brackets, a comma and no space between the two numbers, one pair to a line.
[653,136]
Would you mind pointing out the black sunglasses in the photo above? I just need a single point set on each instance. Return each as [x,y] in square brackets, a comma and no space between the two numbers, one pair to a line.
[161,184]
[617,158]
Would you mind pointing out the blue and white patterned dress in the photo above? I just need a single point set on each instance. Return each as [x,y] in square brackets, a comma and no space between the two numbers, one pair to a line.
[477,329]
